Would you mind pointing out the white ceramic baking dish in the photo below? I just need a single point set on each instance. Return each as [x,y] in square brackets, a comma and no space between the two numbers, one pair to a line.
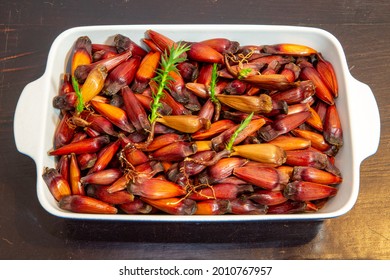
[35,119]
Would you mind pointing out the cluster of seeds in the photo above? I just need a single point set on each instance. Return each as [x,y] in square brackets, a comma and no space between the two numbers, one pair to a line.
[203,128]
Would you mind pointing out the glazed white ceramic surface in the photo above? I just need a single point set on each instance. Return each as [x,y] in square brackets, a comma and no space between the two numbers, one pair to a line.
[35,118]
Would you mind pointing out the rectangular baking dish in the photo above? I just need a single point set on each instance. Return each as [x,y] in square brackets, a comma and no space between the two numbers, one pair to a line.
[35,118]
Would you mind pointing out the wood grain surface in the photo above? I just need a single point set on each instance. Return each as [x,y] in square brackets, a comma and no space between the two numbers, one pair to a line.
[27,30]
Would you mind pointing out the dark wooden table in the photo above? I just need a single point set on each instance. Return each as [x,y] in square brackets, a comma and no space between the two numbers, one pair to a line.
[27,29]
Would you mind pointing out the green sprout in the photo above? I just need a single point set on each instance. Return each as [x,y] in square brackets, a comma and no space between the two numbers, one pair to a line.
[80,102]
[241,127]
[169,60]
[243,73]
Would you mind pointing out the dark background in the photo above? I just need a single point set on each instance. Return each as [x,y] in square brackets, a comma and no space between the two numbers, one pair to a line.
[27,29]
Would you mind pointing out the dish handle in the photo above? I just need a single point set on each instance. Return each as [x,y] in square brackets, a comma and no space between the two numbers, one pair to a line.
[28,119]
[366,120]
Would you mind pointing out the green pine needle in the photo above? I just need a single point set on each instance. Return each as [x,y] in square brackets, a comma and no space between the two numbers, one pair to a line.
[242,126]
[243,73]
[168,63]
[213,83]
[80,102]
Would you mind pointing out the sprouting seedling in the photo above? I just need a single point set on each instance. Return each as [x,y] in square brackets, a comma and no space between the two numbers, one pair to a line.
[169,61]
[241,127]
[80,102]
[228,148]
[213,84]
